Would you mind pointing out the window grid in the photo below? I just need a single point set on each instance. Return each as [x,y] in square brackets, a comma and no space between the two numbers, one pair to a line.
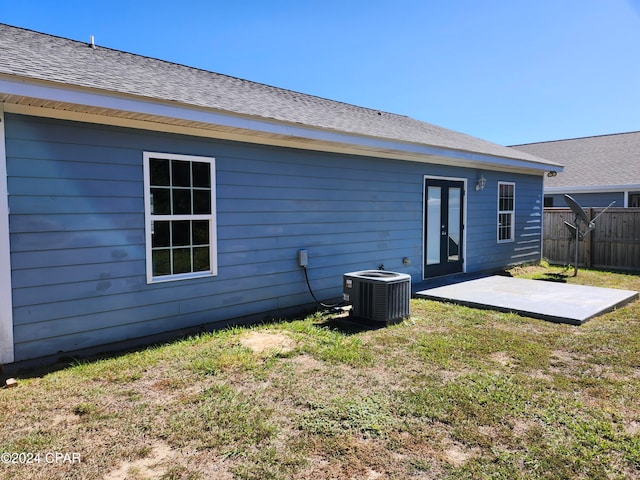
[166,255]
[181,218]
[506,211]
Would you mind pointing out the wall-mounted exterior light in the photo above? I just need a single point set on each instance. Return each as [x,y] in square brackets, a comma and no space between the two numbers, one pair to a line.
[481,183]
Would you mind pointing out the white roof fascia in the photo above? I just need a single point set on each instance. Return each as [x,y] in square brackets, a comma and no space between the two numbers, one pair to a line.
[107,100]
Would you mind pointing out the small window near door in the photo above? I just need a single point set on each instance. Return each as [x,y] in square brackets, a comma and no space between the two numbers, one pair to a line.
[506,211]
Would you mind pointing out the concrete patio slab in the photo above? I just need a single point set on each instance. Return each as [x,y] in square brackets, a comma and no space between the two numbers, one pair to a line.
[552,301]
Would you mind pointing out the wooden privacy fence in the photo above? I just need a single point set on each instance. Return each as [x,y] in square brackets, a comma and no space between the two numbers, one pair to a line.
[613,244]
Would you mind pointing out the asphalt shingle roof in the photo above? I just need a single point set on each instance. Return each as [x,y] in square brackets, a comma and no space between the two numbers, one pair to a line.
[38,56]
[592,161]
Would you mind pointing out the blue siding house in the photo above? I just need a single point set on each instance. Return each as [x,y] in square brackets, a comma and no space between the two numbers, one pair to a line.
[140,197]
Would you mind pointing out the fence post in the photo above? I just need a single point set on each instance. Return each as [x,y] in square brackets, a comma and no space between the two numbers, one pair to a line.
[588,244]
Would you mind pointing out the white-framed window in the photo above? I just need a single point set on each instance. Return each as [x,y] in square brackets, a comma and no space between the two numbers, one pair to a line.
[506,211]
[180,216]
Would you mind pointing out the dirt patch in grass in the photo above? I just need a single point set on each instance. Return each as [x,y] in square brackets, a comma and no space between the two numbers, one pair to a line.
[306,363]
[632,428]
[522,427]
[152,466]
[562,358]
[452,375]
[540,375]
[265,341]
[501,358]
[64,419]
[457,455]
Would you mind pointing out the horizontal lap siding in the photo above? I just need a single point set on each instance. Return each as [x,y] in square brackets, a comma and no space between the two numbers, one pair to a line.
[590,200]
[483,250]
[77,231]
[349,213]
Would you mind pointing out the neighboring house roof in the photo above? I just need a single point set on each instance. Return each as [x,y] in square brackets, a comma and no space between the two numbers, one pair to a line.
[44,71]
[601,163]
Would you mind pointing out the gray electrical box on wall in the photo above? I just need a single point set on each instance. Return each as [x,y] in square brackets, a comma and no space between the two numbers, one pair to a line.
[303,258]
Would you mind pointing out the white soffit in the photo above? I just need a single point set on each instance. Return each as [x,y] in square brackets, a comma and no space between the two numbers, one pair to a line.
[51,100]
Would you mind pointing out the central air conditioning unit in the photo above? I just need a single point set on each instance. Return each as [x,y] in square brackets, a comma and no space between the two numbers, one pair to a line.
[378,295]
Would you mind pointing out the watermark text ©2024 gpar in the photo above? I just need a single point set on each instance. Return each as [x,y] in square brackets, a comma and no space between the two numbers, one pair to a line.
[46,458]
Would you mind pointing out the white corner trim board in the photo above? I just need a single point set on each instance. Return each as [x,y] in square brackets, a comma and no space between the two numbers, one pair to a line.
[6,306]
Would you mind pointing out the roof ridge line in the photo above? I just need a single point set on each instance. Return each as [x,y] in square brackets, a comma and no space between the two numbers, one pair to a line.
[575,138]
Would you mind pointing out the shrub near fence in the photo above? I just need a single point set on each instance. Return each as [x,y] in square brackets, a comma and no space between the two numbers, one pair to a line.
[614,243]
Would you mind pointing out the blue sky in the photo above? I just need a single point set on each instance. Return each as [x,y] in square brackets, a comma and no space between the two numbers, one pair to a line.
[508,71]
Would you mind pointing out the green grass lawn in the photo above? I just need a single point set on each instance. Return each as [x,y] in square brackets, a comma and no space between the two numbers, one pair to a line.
[454,393]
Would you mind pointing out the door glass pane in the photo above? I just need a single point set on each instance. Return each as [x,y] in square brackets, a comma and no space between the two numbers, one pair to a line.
[434,201]
[453,242]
